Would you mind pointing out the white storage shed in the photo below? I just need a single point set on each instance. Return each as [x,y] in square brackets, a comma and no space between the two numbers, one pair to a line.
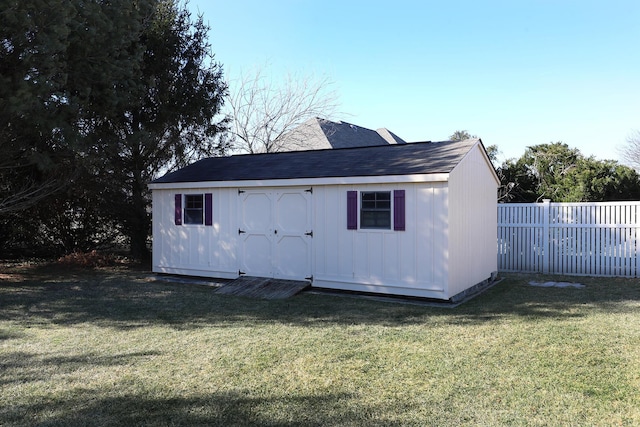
[414,219]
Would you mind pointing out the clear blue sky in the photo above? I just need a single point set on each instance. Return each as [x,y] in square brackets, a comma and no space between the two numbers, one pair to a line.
[516,73]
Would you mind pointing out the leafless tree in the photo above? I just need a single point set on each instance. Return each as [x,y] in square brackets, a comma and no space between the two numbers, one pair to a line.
[264,112]
[630,152]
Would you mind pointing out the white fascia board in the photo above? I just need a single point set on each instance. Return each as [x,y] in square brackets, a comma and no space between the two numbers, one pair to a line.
[385,179]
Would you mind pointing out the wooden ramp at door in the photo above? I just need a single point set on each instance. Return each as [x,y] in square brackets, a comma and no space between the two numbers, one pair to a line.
[263,287]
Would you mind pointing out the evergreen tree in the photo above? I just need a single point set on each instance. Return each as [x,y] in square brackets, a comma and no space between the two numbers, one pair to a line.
[97,98]
[562,174]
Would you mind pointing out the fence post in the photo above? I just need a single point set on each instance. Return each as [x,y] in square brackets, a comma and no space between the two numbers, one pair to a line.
[546,245]
[636,240]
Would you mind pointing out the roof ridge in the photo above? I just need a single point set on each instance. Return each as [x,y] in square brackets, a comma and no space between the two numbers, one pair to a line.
[337,149]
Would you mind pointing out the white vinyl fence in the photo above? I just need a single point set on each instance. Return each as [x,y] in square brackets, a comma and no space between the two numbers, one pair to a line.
[593,239]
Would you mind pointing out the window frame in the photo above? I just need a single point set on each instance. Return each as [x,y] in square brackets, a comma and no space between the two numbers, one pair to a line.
[188,211]
[378,208]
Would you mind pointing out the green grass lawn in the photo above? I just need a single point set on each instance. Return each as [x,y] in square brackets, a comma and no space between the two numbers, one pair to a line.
[111,348]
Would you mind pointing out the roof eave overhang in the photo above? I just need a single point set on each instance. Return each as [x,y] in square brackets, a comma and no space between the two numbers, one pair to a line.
[343,180]
[488,161]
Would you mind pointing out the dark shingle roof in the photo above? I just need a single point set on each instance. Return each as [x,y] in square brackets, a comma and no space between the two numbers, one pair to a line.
[404,159]
[347,135]
[318,134]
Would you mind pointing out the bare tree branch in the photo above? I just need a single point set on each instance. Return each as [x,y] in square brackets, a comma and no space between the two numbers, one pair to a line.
[20,187]
[263,112]
[630,153]
[28,195]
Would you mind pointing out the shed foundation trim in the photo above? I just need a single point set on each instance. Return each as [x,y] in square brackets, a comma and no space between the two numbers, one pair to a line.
[424,291]
[196,272]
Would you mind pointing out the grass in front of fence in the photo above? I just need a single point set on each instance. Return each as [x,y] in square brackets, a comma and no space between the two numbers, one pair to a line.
[109,348]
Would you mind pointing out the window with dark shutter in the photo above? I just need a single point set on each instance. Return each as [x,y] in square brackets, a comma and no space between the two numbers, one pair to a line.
[375,209]
[193,209]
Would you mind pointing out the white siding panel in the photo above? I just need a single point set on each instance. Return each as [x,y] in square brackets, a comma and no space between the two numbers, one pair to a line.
[433,231]
[224,244]
[391,259]
[360,256]
[408,247]
[377,251]
[472,222]
[333,247]
[195,249]
[337,199]
[319,221]
[387,261]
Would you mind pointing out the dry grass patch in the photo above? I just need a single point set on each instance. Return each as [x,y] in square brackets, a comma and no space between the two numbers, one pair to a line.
[110,348]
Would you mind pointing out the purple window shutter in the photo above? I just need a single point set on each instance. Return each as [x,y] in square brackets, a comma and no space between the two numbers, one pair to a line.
[398,210]
[178,209]
[352,210]
[208,209]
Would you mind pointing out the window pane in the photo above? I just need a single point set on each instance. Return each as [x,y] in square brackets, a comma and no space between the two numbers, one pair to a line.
[383,219]
[193,211]
[193,216]
[366,219]
[375,219]
[193,201]
[375,210]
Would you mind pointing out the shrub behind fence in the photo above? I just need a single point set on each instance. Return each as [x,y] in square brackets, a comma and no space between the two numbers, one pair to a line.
[594,239]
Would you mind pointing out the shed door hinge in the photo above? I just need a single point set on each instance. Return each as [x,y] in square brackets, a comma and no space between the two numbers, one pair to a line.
[310,278]
[309,190]
[240,272]
[310,234]
[240,191]
[241,231]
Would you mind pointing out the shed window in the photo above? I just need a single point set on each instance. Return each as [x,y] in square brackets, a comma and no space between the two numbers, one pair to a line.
[375,209]
[193,209]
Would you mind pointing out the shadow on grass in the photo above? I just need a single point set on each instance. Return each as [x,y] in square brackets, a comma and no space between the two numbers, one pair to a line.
[217,409]
[21,367]
[9,335]
[123,299]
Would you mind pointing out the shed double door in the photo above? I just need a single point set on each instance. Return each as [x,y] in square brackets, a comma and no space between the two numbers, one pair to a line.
[275,233]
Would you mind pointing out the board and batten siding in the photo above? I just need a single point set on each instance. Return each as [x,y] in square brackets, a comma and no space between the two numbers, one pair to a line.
[472,222]
[409,262]
[196,250]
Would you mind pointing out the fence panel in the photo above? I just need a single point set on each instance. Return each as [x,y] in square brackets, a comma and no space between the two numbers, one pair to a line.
[594,239]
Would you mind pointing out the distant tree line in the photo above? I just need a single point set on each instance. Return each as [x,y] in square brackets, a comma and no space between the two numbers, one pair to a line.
[99,98]
[563,174]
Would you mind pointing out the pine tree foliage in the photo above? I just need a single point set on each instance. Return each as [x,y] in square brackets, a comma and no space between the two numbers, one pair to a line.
[96,99]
